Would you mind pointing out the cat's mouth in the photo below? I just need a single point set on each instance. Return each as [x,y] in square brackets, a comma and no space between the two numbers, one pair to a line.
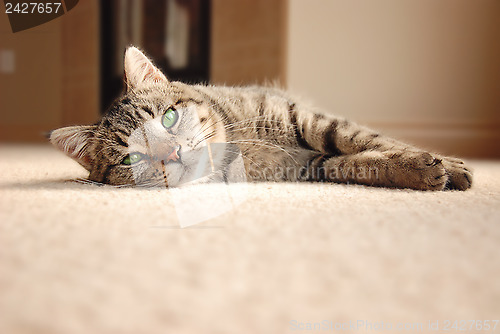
[202,162]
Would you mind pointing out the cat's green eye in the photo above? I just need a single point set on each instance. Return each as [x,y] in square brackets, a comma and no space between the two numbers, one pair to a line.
[169,118]
[133,158]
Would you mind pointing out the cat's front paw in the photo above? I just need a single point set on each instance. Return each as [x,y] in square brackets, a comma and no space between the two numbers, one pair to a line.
[418,170]
[459,175]
[430,170]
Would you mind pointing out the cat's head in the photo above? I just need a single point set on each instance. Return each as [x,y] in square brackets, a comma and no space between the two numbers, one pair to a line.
[149,136]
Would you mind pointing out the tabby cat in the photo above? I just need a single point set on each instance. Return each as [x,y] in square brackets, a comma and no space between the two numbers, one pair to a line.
[154,133]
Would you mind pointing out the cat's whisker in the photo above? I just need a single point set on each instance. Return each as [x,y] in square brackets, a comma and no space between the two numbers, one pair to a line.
[87,181]
[243,121]
[250,128]
[203,132]
[207,124]
[205,138]
[262,143]
[243,156]
[249,124]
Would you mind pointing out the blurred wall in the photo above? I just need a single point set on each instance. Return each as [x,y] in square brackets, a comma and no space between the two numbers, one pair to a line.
[53,75]
[81,64]
[248,41]
[426,71]
[30,85]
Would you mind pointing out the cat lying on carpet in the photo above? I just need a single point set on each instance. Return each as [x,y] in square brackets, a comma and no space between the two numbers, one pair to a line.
[156,132]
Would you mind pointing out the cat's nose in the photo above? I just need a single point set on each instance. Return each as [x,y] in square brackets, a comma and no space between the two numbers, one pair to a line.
[174,155]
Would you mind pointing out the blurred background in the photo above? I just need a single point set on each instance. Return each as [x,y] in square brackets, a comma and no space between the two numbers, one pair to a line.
[425,71]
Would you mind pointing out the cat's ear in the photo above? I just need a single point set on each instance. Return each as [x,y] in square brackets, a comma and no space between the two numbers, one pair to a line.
[139,69]
[74,142]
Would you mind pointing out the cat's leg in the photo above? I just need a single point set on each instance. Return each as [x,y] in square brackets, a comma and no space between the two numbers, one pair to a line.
[408,169]
[350,147]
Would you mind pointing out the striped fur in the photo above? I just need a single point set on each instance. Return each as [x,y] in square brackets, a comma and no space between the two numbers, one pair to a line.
[280,138]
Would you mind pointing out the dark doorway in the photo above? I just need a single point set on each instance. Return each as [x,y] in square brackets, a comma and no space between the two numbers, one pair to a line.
[173,33]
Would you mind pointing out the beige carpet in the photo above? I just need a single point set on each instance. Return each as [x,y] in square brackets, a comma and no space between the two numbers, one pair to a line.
[78,258]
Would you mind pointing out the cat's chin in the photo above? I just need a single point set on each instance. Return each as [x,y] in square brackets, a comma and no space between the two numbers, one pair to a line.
[176,172]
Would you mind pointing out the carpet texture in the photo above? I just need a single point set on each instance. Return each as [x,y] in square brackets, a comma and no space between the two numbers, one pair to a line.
[79,258]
